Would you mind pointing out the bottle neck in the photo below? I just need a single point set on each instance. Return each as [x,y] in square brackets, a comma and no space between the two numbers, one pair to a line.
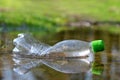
[91,48]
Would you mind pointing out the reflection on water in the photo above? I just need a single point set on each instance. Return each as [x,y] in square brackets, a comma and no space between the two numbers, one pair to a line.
[110,57]
[6,72]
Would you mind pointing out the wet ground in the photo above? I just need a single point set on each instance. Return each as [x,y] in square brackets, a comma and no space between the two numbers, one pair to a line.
[110,58]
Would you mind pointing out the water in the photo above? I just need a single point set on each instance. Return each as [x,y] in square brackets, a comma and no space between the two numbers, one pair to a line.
[110,58]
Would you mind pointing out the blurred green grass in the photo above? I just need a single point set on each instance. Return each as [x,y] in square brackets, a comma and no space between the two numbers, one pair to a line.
[101,9]
[52,13]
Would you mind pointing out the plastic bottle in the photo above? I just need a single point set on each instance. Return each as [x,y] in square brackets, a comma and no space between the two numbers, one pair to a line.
[68,56]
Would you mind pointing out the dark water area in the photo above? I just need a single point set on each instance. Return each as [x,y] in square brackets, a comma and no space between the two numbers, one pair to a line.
[110,57]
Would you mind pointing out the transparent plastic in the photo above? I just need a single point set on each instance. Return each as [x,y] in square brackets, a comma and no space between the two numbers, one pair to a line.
[69,56]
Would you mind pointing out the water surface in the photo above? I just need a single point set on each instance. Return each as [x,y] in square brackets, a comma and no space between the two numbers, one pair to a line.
[110,58]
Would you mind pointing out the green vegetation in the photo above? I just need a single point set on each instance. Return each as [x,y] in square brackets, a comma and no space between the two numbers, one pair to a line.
[50,14]
[111,29]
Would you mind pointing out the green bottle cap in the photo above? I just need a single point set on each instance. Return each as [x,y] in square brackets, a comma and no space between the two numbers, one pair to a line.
[97,69]
[97,45]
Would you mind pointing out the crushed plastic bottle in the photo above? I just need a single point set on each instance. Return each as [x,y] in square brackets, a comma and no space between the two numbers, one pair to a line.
[69,56]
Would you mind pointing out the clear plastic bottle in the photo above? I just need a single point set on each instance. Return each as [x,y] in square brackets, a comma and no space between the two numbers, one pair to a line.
[68,56]
[74,56]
